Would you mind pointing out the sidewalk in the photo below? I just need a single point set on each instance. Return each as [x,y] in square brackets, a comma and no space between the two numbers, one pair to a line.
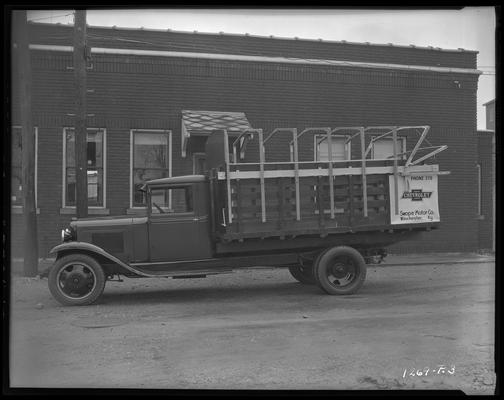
[390,260]
[437,258]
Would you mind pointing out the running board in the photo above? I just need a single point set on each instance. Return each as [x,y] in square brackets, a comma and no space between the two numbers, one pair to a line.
[147,272]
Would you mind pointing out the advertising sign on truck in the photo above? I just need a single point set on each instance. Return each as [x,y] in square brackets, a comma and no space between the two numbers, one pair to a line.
[418,199]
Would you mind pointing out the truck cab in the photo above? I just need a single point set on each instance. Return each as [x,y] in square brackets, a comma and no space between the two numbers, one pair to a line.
[178,222]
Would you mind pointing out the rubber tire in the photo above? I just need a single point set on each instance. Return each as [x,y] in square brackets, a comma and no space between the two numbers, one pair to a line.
[92,264]
[302,274]
[325,260]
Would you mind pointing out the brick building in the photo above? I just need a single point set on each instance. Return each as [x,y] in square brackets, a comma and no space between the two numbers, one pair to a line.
[490,115]
[156,94]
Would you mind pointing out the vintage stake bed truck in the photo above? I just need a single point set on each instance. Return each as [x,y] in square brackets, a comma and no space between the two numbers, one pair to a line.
[324,220]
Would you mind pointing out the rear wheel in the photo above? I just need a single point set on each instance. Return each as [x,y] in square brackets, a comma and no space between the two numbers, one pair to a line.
[303,274]
[76,280]
[340,270]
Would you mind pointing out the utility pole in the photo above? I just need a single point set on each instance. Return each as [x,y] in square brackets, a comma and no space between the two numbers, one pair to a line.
[21,39]
[79,57]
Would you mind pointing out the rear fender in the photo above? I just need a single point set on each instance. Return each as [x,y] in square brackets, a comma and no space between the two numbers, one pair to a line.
[91,249]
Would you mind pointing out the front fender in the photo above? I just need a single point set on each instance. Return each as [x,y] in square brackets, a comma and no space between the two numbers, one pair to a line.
[91,248]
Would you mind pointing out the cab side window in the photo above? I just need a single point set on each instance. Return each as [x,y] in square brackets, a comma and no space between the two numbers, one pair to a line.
[172,200]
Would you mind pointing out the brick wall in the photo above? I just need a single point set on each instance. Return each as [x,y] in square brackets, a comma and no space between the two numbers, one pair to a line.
[149,93]
[486,154]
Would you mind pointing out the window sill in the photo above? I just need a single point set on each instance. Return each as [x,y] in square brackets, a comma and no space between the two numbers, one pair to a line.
[91,211]
[143,211]
[136,211]
[19,210]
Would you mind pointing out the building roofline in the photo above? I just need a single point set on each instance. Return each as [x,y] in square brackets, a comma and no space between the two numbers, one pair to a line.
[459,50]
[281,60]
[489,102]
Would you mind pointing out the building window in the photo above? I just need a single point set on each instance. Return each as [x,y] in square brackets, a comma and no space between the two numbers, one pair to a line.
[199,163]
[340,150]
[17,166]
[95,168]
[150,159]
[384,148]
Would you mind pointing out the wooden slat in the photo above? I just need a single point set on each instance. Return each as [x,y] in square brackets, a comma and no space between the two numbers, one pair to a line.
[320,203]
[238,205]
[272,208]
[281,203]
[350,199]
[324,172]
[370,203]
[371,191]
[371,179]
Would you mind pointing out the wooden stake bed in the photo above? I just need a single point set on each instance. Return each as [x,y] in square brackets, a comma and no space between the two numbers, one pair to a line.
[298,198]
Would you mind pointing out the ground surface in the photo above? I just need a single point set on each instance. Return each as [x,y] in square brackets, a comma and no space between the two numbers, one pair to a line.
[262,330]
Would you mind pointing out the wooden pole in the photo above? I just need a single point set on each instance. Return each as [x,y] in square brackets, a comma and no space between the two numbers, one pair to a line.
[21,40]
[363,166]
[228,177]
[330,170]
[80,113]
[262,159]
[296,173]
[396,178]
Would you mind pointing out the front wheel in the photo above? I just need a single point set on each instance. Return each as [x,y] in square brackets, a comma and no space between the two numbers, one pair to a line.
[340,270]
[76,280]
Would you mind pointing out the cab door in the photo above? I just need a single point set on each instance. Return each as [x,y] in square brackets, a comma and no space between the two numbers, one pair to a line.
[177,231]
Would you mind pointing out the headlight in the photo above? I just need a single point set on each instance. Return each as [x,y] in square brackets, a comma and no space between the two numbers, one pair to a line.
[66,235]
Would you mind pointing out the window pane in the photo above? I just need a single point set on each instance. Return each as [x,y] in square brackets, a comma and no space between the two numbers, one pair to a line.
[150,161]
[199,163]
[339,149]
[161,199]
[70,149]
[95,187]
[94,168]
[181,200]
[94,149]
[140,176]
[70,187]
[384,148]
[151,150]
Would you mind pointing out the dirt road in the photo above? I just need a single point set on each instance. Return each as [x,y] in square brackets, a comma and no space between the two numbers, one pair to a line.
[263,330]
